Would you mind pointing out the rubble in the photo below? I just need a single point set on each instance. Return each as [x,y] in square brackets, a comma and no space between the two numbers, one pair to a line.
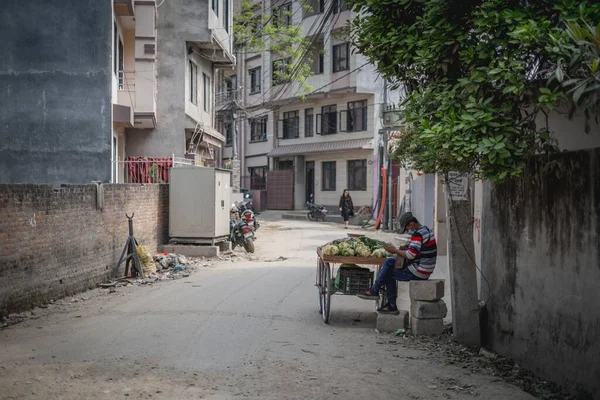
[479,361]
[169,266]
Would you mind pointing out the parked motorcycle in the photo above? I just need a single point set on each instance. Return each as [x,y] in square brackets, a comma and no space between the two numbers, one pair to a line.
[242,235]
[240,232]
[249,217]
[315,211]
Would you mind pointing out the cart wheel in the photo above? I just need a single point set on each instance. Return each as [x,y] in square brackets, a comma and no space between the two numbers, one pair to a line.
[327,292]
[319,283]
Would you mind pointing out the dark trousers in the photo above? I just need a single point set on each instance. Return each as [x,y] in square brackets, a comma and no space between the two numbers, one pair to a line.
[388,277]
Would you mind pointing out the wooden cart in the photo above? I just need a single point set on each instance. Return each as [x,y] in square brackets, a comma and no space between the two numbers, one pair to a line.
[326,275]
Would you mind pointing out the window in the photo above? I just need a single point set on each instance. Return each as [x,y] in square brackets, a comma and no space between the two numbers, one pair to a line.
[215,6]
[193,83]
[280,71]
[225,126]
[318,57]
[339,6]
[309,122]
[357,116]
[357,174]
[258,129]
[255,78]
[121,67]
[206,92]
[231,84]
[258,178]
[328,181]
[312,7]
[282,15]
[284,165]
[289,126]
[115,48]
[329,120]
[340,57]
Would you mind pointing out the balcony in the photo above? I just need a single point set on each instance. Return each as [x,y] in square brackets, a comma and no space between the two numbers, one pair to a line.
[123,8]
[123,110]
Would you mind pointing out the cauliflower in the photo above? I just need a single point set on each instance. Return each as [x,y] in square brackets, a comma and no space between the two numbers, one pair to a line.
[379,253]
[362,250]
[346,251]
[330,250]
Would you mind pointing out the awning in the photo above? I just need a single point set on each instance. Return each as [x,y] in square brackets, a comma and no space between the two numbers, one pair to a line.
[307,148]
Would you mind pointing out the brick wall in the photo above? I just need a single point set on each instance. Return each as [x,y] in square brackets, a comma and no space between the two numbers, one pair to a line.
[55,242]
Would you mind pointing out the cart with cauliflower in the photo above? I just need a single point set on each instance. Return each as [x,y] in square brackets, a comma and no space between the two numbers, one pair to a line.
[349,278]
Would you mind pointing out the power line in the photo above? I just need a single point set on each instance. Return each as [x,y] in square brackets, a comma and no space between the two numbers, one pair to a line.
[296,70]
[295,99]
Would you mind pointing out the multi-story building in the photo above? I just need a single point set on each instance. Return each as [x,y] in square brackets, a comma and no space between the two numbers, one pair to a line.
[327,138]
[92,81]
[194,39]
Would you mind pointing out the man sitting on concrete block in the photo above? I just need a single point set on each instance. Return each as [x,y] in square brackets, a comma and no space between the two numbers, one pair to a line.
[419,263]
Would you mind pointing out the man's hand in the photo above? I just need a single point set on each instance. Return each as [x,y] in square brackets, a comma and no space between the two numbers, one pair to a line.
[390,248]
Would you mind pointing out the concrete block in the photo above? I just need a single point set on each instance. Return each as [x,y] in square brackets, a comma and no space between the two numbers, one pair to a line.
[192,250]
[428,309]
[426,326]
[429,290]
[391,323]
[224,246]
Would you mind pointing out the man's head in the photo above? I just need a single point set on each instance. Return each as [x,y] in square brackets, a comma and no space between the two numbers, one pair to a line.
[408,222]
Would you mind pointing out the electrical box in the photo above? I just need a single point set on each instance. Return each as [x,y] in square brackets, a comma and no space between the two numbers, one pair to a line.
[199,203]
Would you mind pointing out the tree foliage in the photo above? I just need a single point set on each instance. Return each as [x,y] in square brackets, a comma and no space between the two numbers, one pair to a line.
[577,49]
[476,73]
[256,31]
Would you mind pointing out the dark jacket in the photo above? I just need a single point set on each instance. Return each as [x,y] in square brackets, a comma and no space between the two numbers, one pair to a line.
[346,204]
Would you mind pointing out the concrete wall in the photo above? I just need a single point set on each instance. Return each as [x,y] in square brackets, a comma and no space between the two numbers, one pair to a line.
[56,242]
[541,254]
[179,21]
[55,80]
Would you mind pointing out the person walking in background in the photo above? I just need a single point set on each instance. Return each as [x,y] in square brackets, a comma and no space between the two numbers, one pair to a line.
[346,207]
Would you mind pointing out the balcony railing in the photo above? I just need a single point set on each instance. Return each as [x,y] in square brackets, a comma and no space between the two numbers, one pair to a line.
[225,98]
[126,80]
[146,169]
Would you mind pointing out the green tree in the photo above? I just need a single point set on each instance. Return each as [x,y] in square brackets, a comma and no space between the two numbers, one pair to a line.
[577,51]
[476,74]
[258,32]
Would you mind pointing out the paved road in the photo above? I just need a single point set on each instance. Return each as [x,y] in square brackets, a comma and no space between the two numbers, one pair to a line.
[245,329]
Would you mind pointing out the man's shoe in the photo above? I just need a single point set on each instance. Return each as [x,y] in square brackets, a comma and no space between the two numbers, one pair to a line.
[387,309]
[368,295]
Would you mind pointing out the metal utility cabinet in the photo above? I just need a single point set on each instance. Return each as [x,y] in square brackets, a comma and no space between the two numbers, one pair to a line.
[199,203]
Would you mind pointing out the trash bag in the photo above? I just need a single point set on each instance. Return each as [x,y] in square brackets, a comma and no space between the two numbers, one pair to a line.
[148,265]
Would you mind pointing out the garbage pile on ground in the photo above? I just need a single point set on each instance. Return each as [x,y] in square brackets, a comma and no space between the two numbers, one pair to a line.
[445,351]
[164,266]
[11,319]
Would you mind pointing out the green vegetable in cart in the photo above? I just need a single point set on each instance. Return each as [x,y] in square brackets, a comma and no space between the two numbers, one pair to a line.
[379,253]
[330,250]
[362,250]
[346,251]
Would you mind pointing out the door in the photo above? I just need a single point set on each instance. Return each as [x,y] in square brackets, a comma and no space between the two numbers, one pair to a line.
[310,180]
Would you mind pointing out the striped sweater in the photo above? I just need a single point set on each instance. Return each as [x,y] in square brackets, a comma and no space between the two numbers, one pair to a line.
[422,253]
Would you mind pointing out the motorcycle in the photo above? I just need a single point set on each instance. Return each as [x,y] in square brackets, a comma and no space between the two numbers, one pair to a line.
[249,217]
[315,211]
[240,232]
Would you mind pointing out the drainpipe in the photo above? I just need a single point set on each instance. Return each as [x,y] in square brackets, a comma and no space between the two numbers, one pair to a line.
[408,195]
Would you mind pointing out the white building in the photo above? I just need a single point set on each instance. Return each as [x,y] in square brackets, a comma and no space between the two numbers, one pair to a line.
[327,141]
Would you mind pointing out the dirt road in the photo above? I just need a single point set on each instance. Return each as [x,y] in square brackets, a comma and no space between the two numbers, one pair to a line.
[244,329]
